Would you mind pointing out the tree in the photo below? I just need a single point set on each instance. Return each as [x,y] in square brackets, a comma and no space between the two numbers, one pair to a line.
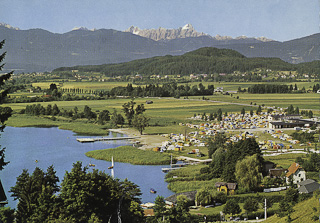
[259,110]
[159,207]
[53,87]
[140,122]
[243,112]
[219,114]
[204,197]
[6,215]
[232,207]
[35,194]
[250,205]
[129,111]
[117,119]
[140,109]
[88,113]
[247,172]
[103,116]
[215,142]
[290,110]
[292,195]
[180,212]
[55,110]
[5,112]
[285,208]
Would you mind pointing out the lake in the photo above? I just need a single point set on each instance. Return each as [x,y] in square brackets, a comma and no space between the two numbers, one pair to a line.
[53,146]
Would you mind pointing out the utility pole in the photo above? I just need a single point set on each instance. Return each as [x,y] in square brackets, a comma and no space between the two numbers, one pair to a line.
[265,209]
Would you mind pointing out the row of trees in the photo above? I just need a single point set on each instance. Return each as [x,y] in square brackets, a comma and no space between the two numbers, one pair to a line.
[315,88]
[166,90]
[271,88]
[83,197]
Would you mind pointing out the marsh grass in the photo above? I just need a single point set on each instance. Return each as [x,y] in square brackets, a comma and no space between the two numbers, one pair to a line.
[129,154]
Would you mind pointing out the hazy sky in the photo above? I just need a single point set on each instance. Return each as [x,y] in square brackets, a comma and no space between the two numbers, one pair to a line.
[276,19]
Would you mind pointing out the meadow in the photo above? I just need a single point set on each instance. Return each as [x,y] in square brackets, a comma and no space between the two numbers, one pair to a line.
[129,154]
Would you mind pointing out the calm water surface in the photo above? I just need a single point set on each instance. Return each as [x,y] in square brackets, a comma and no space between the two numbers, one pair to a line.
[53,146]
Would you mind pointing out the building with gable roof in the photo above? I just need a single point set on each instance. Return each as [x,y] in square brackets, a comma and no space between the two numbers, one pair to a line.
[308,186]
[296,172]
[228,188]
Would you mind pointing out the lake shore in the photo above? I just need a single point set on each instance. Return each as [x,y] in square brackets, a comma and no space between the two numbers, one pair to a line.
[147,141]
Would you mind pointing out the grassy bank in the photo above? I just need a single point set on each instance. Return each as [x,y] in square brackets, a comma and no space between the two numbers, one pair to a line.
[303,212]
[129,154]
[79,127]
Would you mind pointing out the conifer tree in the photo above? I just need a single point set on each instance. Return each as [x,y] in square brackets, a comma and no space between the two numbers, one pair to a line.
[5,112]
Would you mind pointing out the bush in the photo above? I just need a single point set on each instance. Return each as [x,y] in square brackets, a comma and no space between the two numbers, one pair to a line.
[204,170]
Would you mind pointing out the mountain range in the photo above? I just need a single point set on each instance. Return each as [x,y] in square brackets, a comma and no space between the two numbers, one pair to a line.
[38,50]
[182,32]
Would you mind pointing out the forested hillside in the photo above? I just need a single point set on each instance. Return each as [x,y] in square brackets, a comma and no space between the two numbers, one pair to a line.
[207,60]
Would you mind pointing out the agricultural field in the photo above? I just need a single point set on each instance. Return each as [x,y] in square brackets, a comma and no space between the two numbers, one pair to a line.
[83,85]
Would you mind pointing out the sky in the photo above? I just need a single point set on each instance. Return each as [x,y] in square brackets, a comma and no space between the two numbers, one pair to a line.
[280,20]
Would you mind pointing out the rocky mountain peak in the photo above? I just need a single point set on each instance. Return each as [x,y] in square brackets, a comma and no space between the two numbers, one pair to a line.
[166,34]
[8,26]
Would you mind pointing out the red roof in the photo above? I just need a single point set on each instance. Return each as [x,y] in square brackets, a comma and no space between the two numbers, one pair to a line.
[293,168]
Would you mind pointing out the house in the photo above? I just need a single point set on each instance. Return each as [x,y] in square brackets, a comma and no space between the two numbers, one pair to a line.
[3,197]
[267,165]
[228,188]
[276,173]
[308,186]
[296,172]
[218,89]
